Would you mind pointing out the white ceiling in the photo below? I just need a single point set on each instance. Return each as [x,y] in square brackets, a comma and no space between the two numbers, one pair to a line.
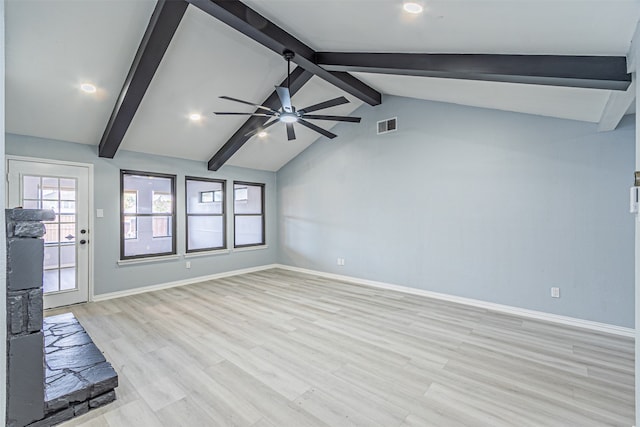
[562,27]
[52,46]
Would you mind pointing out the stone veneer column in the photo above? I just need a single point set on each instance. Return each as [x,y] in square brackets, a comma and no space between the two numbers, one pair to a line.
[25,344]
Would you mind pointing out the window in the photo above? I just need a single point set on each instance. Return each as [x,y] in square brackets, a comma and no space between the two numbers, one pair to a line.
[206,222]
[148,219]
[211,196]
[130,205]
[248,211]
[161,205]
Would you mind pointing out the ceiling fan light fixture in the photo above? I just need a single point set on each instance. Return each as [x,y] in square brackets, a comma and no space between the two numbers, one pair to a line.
[195,117]
[412,7]
[262,134]
[288,118]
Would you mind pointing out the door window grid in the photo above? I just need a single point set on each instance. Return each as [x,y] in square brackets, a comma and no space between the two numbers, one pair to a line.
[58,194]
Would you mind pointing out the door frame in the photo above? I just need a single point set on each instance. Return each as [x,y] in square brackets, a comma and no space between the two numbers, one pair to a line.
[90,218]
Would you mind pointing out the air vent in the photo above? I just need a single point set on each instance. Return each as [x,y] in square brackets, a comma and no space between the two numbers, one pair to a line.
[389,125]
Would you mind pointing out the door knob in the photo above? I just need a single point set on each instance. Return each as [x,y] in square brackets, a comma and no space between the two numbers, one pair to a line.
[82,242]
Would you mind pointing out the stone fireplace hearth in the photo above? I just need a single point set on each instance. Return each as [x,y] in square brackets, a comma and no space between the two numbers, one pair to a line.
[54,370]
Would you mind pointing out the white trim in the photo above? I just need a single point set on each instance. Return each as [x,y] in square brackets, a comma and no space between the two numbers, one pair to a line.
[184,282]
[90,196]
[533,314]
[207,253]
[49,161]
[251,248]
[148,260]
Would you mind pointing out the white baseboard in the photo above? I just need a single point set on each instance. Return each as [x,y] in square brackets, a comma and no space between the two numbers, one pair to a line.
[539,315]
[190,281]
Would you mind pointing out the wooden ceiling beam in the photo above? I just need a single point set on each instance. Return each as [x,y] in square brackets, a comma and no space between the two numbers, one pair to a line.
[299,77]
[593,72]
[162,26]
[255,26]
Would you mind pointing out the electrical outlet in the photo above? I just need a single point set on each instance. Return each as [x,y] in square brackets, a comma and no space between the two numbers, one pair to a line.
[555,292]
[188,265]
[340,261]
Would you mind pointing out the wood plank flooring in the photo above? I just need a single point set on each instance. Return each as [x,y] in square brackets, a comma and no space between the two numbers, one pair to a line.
[283,349]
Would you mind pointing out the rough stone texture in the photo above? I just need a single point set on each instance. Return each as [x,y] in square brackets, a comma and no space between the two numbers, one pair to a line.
[102,400]
[80,409]
[17,215]
[34,311]
[29,229]
[25,400]
[16,312]
[102,378]
[54,419]
[77,372]
[24,263]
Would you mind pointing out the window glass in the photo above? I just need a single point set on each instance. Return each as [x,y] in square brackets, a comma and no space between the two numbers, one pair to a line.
[148,214]
[205,214]
[248,209]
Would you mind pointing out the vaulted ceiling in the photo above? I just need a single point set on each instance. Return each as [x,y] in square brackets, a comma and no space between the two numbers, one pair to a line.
[54,46]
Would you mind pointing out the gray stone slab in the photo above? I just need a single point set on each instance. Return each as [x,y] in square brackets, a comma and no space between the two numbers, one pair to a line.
[16,313]
[75,358]
[75,339]
[24,263]
[56,418]
[102,376]
[77,371]
[25,382]
[30,215]
[34,311]
[102,400]
[80,409]
[59,319]
[66,390]
[29,229]
[66,329]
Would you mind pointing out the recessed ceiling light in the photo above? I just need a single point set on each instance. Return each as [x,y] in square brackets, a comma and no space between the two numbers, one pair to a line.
[88,87]
[412,7]
[195,117]
[262,134]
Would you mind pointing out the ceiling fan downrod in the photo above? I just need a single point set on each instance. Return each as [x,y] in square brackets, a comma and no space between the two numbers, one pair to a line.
[288,55]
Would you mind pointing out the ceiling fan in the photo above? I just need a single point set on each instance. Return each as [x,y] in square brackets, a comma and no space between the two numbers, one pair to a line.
[288,114]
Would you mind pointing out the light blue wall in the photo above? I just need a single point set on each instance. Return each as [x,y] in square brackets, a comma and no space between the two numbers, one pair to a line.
[109,277]
[478,203]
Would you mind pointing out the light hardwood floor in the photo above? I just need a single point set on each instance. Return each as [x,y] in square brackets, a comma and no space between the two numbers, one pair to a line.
[283,349]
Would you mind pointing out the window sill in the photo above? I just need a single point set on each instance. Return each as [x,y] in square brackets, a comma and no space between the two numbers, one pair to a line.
[148,260]
[207,253]
[251,248]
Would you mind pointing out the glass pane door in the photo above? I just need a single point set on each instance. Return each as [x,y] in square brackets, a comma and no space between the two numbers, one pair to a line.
[59,194]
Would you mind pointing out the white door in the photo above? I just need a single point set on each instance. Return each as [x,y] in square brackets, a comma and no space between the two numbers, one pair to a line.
[40,184]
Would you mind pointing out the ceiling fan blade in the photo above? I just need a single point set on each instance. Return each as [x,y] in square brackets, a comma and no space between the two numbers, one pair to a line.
[261,128]
[285,98]
[262,107]
[291,134]
[326,104]
[317,129]
[219,113]
[336,118]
